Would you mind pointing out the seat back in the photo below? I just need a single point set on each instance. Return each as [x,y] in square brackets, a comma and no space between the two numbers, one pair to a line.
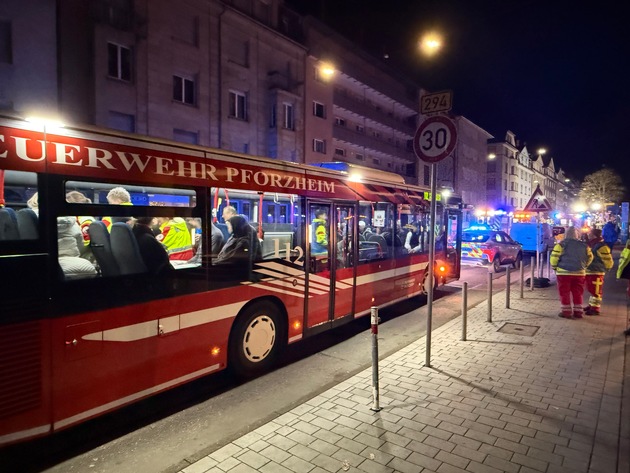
[28,226]
[8,225]
[102,249]
[380,239]
[125,250]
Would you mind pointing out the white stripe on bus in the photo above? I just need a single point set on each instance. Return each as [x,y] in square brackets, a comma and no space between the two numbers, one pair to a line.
[318,287]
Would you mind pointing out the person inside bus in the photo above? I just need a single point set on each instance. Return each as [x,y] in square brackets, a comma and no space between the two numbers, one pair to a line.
[216,240]
[174,235]
[319,227]
[243,246]
[153,253]
[229,211]
[118,196]
[69,245]
[413,239]
[83,221]
[364,230]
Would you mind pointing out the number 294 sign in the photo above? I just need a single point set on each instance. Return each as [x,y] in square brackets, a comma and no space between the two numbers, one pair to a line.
[435,139]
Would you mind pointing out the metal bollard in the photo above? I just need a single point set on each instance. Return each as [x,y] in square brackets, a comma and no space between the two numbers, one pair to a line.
[507,287]
[531,281]
[375,388]
[548,263]
[464,309]
[489,297]
[522,276]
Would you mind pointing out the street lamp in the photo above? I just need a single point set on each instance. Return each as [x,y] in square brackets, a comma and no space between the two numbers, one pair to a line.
[430,43]
[492,156]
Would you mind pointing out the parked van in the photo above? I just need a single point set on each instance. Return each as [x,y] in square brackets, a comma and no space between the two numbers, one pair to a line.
[525,234]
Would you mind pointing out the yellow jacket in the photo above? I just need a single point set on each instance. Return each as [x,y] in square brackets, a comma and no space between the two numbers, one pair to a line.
[623,264]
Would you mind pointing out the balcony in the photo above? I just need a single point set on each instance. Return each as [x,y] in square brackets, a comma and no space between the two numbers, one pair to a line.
[365,141]
[364,109]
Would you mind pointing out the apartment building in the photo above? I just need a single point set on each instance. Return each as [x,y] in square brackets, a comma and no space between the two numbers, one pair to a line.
[358,110]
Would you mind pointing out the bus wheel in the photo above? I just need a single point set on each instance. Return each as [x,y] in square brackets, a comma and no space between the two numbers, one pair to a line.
[256,340]
[424,290]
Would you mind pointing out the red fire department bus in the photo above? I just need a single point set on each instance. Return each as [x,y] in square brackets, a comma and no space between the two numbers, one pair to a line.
[87,324]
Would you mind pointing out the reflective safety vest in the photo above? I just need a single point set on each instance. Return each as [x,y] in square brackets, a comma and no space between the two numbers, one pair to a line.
[174,235]
[84,225]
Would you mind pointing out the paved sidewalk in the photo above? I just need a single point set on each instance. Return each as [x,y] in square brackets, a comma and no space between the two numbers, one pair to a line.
[549,402]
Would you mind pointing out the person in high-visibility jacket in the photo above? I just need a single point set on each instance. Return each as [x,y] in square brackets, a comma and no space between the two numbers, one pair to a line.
[569,259]
[319,229]
[602,262]
[174,235]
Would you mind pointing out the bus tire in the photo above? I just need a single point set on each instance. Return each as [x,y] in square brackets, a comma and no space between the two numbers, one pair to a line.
[424,289]
[256,340]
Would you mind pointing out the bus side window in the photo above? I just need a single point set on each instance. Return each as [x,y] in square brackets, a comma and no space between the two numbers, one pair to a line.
[18,221]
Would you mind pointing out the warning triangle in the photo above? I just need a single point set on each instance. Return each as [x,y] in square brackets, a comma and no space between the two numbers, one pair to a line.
[538,202]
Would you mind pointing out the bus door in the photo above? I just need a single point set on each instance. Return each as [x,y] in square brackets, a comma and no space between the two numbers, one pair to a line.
[453,242]
[330,263]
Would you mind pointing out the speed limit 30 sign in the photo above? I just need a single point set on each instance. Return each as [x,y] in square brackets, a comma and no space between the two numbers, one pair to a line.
[435,139]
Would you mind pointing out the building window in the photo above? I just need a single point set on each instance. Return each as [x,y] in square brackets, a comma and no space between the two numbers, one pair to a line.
[360,128]
[359,156]
[289,116]
[492,166]
[340,152]
[319,146]
[491,184]
[6,45]
[118,62]
[121,121]
[238,105]
[504,185]
[319,109]
[184,90]
[184,136]
[376,161]
[340,121]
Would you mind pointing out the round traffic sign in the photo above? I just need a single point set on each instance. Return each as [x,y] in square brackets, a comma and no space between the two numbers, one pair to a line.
[435,139]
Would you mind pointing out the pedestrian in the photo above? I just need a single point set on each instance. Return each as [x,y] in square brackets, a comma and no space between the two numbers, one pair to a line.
[569,259]
[623,270]
[610,232]
[602,262]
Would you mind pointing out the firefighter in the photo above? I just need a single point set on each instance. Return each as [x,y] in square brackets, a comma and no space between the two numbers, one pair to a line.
[602,262]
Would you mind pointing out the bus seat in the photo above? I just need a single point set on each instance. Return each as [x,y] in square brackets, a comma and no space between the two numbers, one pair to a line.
[28,227]
[380,239]
[102,250]
[8,225]
[125,250]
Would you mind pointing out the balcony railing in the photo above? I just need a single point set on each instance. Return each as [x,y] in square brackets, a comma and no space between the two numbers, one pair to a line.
[366,141]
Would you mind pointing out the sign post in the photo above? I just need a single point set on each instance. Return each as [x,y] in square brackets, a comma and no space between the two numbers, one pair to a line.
[434,140]
[538,203]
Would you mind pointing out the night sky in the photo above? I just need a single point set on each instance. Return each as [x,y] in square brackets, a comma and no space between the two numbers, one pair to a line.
[553,72]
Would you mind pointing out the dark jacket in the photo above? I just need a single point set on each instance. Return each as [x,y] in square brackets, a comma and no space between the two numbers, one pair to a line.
[152,251]
[610,233]
[243,245]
